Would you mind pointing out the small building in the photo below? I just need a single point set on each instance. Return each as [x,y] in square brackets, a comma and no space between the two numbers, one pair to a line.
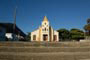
[7,32]
[45,32]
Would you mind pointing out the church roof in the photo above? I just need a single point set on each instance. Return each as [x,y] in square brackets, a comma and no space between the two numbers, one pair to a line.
[45,18]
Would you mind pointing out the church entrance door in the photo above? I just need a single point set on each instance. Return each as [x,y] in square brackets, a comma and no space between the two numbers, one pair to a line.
[45,37]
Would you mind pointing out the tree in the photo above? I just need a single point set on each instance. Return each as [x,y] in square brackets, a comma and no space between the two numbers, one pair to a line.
[28,37]
[88,21]
[64,34]
[76,34]
[87,28]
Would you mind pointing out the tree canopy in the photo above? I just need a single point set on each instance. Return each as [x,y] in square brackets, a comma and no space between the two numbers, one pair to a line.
[28,37]
[87,27]
[64,34]
[88,21]
[76,34]
[73,34]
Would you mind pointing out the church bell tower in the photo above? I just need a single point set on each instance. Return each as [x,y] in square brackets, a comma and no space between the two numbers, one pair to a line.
[45,29]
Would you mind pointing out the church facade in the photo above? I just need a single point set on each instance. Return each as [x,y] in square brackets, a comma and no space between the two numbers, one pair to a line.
[45,33]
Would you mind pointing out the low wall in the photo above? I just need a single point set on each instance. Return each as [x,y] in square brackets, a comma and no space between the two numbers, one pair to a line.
[85,40]
[46,44]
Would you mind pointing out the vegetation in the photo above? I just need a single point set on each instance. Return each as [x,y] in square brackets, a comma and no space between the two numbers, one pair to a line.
[28,37]
[77,34]
[64,34]
[73,34]
[87,28]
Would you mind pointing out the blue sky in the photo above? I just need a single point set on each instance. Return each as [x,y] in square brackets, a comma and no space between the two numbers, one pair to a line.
[60,13]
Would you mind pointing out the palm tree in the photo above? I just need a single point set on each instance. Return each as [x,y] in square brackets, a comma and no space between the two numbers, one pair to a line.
[88,21]
[87,27]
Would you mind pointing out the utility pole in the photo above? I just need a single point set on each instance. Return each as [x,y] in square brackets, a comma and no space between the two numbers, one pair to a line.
[14,25]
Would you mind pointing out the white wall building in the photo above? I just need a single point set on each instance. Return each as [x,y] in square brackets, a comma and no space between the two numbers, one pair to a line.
[45,32]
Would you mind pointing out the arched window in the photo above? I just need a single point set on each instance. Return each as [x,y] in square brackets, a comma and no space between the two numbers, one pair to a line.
[45,29]
[45,23]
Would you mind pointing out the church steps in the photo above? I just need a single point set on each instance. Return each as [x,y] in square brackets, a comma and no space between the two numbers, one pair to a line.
[45,56]
[44,49]
[45,44]
[28,51]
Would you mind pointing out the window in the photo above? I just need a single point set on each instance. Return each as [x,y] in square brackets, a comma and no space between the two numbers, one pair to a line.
[45,23]
[45,29]
[34,37]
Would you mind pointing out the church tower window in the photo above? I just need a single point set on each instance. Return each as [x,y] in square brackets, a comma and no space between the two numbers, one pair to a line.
[45,29]
[45,23]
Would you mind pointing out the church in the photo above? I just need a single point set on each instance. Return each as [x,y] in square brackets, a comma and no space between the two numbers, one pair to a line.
[45,33]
